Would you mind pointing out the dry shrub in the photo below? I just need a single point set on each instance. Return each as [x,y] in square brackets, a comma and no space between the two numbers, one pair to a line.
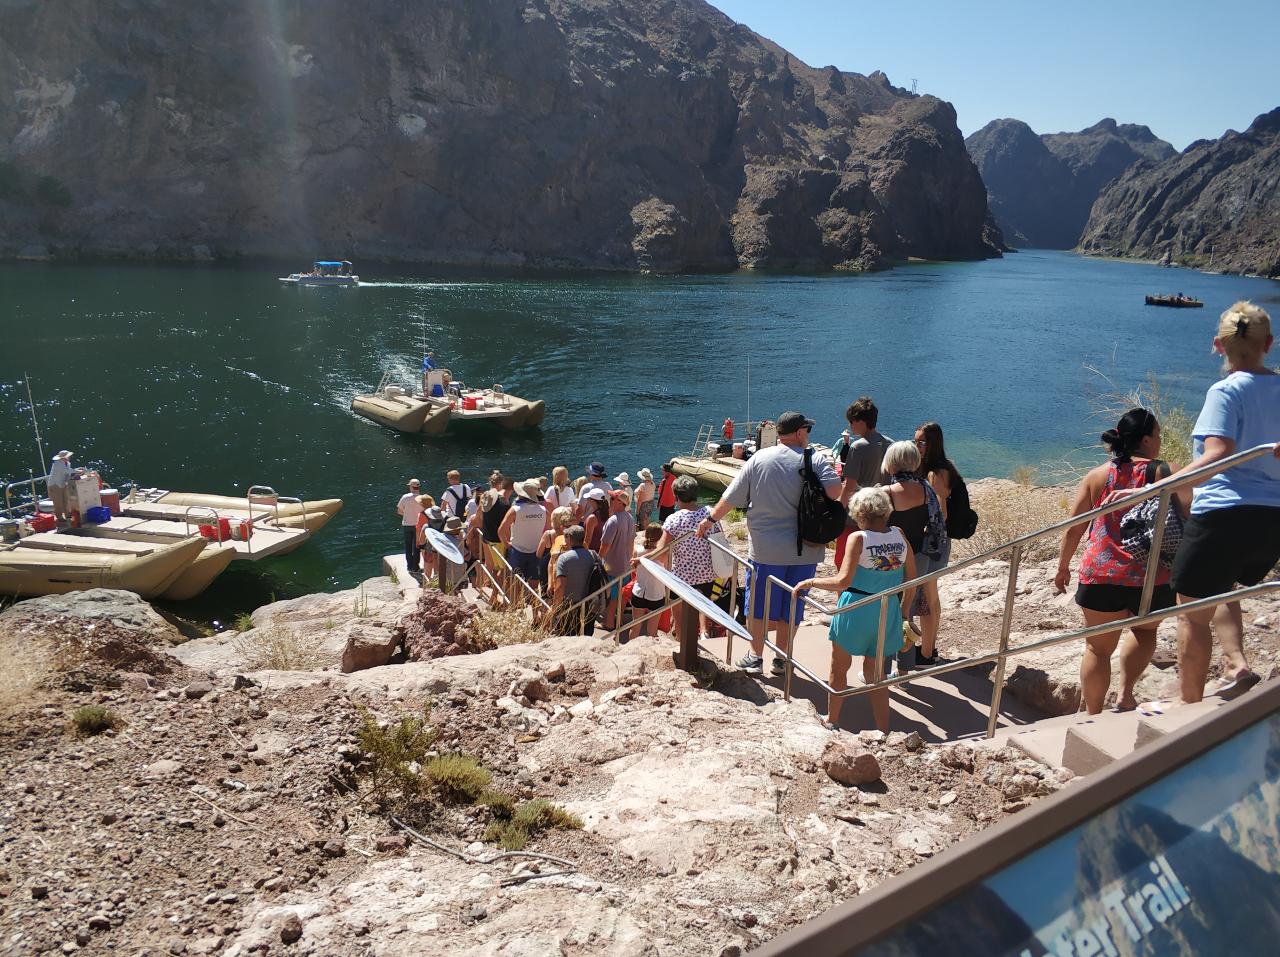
[394,754]
[274,648]
[23,678]
[94,719]
[541,815]
[1008,510]
[496,628]
[1113,401]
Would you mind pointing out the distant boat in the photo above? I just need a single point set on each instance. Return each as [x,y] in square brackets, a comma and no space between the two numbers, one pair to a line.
[325,272]
[445,401]
[1177,302]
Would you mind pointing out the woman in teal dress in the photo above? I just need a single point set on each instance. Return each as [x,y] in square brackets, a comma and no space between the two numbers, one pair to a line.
[875,558]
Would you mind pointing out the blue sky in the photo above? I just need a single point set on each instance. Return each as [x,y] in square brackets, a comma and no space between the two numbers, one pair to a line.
[1188,70]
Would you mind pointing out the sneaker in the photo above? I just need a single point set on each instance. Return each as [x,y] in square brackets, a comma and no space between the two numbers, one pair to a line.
[751,664]
[907,660]
[779,667]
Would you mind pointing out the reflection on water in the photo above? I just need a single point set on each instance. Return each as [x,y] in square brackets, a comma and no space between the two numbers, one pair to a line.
[216,378]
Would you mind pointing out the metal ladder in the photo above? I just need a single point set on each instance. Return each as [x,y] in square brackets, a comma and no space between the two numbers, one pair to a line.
[705,432]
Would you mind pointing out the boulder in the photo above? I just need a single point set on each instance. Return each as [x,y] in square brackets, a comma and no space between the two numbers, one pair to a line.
[850,764]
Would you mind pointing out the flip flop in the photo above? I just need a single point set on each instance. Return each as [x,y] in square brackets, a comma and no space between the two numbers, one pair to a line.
[1238,685]
[1153,708]
[1119,710]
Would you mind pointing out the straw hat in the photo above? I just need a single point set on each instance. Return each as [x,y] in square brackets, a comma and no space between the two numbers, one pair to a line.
[453,524]
[528,489]
[623,478]
[64,454]
[645,475]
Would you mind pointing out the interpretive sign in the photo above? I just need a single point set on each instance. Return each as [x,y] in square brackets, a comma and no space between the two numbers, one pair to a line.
[1187,863]
[686,593]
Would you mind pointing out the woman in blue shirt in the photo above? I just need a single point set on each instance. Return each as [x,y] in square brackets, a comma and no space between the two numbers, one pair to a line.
[1233,533]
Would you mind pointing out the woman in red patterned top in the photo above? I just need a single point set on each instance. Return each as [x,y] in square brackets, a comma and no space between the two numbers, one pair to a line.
[1110,579]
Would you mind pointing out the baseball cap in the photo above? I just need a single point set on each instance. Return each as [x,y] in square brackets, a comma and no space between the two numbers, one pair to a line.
[790,422]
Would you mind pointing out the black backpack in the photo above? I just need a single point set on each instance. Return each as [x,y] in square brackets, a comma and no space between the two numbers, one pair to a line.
[819,519]
[962,520]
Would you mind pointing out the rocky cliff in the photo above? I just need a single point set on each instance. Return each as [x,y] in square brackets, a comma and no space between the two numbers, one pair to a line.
[652,134]
[1216,204]
[1041,188]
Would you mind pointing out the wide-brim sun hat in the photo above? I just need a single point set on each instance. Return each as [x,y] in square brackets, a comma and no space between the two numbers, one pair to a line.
[645,475]
[622,478]
[64,454]
[528,489]
[595,470]
[434,514]
[453,524]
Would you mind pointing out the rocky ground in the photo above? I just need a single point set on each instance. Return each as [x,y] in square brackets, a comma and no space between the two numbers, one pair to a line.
[227,813]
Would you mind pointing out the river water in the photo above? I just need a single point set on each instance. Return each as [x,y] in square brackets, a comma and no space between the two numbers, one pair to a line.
[213,378]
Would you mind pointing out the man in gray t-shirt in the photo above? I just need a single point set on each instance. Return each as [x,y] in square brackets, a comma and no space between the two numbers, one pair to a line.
[768,487]
[569,581]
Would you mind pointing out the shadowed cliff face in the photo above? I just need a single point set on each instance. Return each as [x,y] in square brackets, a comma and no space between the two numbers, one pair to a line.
[1041,188]
[1217,203]
[647,134]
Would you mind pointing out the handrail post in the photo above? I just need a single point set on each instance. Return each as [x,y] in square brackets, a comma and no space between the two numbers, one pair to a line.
[1006,622]
[1153,558]
[881,635]
[789,660]
[768,603]
[733,604]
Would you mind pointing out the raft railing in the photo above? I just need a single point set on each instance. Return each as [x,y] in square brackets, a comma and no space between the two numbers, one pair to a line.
[1016,548]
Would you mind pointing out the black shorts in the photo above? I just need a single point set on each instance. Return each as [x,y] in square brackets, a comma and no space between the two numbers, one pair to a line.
[647,604]
[1225,546]
[1106,597]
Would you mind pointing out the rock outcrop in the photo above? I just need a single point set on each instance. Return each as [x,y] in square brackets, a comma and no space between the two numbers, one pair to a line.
[1216,205]
[1041,188]
[656,134]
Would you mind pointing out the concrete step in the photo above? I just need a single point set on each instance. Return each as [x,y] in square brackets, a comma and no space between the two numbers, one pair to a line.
[1094,744]
[1153,727]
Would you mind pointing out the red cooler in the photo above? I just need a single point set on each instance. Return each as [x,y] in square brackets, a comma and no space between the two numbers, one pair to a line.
[111,499]
[469,402]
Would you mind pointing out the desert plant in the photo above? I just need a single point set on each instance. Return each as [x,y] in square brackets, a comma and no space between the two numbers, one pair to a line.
[457,778]
[1112,401]
[362,605]
[94,719]
[507,835]
[394,576]
[495,628]
[1024,475]
[243,621]
[395,754]
[500,804]
[1007,512]
[277,649]
[542,815]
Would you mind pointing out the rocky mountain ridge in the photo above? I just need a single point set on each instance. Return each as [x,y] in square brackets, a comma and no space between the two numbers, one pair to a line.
[1215,205]
[653,135]
[1041,187]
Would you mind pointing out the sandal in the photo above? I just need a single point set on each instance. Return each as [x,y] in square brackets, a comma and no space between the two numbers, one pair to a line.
[1152,708]
[1235,687]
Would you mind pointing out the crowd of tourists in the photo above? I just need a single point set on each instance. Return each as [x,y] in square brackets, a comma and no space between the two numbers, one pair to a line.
[892,510]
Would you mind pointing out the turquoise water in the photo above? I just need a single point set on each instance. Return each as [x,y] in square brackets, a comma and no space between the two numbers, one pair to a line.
[215,378]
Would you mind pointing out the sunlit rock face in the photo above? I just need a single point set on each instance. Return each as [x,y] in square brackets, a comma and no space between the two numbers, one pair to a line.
[556,133]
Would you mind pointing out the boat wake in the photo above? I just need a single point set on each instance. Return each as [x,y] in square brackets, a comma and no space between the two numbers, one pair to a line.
[424,285]
[253,375]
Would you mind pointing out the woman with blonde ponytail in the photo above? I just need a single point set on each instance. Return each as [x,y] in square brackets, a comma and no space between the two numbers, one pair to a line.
[1233,534]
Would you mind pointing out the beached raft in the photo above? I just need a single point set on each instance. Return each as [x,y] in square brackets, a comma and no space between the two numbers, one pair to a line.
[37,566]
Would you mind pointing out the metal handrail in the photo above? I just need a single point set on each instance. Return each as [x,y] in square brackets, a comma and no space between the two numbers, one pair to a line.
[580,605]
[524,584]
[1164,489]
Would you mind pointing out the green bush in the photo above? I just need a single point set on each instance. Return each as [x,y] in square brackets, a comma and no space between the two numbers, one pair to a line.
[500,804]
[94,719]
[458,778]
[394,755]
[10,181]
[51,191]
[541,815]
[507,835]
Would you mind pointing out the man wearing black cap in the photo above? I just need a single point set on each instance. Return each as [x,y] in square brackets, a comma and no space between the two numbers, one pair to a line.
[768,486]
[596,479]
